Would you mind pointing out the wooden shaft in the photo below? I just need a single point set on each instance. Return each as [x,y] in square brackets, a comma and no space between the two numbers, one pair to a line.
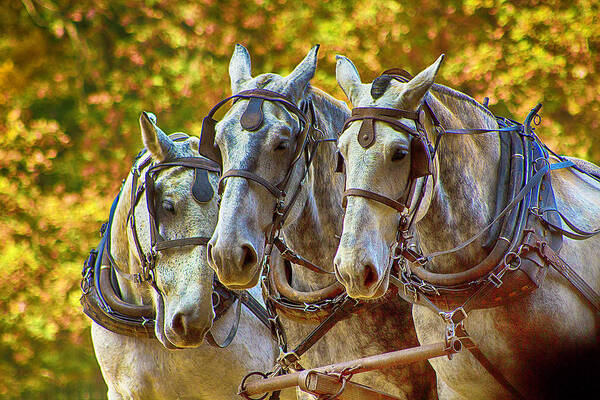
[319,384]
[379,361]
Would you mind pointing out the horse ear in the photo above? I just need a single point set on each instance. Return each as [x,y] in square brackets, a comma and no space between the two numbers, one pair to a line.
[154,139]
[239,68]
[419,85]
[300,77]
[347,77]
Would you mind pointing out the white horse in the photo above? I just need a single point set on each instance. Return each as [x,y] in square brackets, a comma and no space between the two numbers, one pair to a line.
[544,344]
[141,368]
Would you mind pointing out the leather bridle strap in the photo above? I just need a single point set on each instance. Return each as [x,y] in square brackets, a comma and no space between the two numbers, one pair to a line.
[396,205]
[387,115]
[192,241]
[232,332]
[295,258]
[273,189]
[347,307]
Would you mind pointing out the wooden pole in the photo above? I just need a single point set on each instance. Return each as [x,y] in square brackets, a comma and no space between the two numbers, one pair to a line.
[379,361]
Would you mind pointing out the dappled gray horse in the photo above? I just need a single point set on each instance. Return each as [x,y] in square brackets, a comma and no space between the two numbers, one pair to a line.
[539,343]
[144,368]
[260,145]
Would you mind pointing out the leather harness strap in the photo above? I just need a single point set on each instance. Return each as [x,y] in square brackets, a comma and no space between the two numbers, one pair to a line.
[467,342]
[549,255]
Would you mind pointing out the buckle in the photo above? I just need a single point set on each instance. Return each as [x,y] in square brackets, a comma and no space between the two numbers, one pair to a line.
[287,359]
[455,316]
[495,280]
[410,290]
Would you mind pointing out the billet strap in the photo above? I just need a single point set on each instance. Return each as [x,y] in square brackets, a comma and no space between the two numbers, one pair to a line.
[485,362]
[396,205]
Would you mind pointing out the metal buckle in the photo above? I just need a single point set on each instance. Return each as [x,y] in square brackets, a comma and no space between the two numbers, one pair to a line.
[287,359]
[308,307]
[453,319]
[495,280]
[410,290]
[449,317]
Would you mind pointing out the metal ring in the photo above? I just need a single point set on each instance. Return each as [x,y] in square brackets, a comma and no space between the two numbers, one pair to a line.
[242,388]
[218,301]
[509,264]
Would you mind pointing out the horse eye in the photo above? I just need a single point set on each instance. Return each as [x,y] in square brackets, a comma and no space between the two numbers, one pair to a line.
[283,145]
[399,154]
[168,206]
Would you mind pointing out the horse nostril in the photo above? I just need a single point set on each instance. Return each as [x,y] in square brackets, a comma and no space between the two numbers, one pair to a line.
[178,324]
[249,257]
[370,275]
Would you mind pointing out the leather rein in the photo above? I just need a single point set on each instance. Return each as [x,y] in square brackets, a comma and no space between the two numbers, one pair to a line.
[101,299]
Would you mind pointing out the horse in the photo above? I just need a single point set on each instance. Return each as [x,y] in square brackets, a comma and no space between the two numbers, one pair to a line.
[265,151]
[542,344]
[181,293]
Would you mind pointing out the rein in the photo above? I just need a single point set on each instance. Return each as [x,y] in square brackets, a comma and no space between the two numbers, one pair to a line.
[101,300]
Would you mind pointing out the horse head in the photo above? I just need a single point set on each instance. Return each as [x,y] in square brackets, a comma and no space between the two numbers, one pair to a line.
[264,138]
[179,203]
[382,161]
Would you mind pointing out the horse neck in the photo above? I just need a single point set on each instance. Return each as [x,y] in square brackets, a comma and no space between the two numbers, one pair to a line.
[314,233]
[464,197]
[122,251]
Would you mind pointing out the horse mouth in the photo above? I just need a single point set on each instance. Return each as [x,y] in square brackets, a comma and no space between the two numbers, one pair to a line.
[374,292]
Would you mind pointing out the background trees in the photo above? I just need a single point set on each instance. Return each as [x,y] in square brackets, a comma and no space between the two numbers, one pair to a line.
[74,76]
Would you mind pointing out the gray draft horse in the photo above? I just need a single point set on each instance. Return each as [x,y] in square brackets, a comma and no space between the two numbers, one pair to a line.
[140,368]
[314,221]
[533,341]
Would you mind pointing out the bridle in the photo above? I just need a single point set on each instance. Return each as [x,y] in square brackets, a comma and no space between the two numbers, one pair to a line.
[251,120]
[422,154]
[201,191]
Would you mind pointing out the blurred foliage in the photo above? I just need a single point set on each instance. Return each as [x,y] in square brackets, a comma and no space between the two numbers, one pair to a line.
[74,76]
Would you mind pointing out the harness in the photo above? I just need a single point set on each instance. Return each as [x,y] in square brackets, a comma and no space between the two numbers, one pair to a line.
[525,236]
[326,306]
[101,299]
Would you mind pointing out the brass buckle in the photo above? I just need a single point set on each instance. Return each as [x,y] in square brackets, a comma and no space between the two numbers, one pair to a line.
[495,280]
[287,359]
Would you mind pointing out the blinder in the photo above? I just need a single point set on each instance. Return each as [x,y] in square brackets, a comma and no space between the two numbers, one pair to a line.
[202,190]
[340,164]
[420,159]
